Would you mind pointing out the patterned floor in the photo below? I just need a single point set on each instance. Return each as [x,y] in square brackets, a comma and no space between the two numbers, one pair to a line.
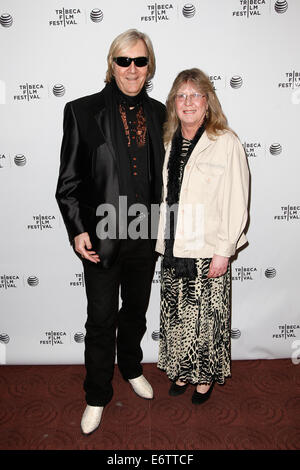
[258,408]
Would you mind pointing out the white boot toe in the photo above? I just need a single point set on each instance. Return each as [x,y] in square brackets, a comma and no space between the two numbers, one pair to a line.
[142,387]
[91,419]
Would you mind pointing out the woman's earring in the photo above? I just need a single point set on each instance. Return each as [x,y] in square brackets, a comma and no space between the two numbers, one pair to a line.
[206,114]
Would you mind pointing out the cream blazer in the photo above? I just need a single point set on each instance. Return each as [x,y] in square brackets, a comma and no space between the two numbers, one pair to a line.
[212,208]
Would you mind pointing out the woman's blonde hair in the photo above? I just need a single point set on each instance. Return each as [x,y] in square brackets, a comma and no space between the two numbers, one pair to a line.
[125,40]
[216,121]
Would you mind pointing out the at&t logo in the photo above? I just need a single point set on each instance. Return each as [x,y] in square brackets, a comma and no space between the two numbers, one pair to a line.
[6,20]
[281,6]
[96,15]
[59,90]
[236,82]
[235,333]
[79,337]
[189,10]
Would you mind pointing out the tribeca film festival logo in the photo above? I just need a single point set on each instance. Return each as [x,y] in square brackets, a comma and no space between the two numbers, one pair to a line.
[291,80]
[244,273]
[10,281]
[31,92]
[42,222]
[288,213]
[14,281]
[156,277]
[54,338]
[217,80]
[249,8]
[65,17]
[251,273]
[78,281]
[159,12]
[287,331]
[254,149]
[57,338]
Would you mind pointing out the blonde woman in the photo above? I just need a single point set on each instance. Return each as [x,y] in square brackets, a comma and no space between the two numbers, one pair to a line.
[202,220]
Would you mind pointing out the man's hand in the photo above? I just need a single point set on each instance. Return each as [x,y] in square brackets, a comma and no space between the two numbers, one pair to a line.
[218,266]
[83,247]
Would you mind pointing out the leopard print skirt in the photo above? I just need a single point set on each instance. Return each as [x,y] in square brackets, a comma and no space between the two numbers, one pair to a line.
[195,344]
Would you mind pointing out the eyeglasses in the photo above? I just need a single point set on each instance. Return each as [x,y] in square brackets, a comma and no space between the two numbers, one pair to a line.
[193,96]
[126,61]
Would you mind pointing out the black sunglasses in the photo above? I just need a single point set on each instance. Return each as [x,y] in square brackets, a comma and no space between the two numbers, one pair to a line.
[126,61]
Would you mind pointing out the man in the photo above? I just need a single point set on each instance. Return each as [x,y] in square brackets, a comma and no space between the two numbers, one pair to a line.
[112,150]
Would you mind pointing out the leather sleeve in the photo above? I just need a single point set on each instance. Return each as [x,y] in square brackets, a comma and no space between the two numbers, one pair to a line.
[70,180]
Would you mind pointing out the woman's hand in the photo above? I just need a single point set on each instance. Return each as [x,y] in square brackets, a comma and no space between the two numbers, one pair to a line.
[218,266]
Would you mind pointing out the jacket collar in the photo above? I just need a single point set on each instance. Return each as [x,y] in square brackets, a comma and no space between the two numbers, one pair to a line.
[201,145]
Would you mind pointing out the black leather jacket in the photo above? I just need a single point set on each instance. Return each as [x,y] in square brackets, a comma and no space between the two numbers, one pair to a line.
[88,173]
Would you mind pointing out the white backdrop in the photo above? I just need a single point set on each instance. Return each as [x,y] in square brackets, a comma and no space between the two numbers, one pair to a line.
[55,51]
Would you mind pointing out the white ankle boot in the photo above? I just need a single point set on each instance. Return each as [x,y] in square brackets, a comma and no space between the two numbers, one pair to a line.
[142,387]
[91,419]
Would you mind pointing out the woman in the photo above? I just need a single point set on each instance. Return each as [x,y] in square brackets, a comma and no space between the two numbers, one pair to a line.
[202,218]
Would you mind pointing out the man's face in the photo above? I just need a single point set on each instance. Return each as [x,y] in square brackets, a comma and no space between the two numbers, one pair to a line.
[131,79]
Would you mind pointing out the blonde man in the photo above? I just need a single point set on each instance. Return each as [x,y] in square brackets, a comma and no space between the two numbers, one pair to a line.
[112,151]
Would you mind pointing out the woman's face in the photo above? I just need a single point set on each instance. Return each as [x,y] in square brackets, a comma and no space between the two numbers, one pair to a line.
[190,105]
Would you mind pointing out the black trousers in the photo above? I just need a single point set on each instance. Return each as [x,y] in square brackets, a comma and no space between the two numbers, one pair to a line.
[107,327]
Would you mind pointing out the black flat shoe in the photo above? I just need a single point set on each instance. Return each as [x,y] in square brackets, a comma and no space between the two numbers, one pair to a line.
[176,390]
[199,398]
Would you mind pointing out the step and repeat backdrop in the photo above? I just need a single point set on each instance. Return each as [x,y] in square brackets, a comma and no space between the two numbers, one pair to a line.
[55,51]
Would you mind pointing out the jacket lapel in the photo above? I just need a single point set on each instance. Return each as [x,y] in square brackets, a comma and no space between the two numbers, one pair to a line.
[203,143]
[102,116]
[102,120]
